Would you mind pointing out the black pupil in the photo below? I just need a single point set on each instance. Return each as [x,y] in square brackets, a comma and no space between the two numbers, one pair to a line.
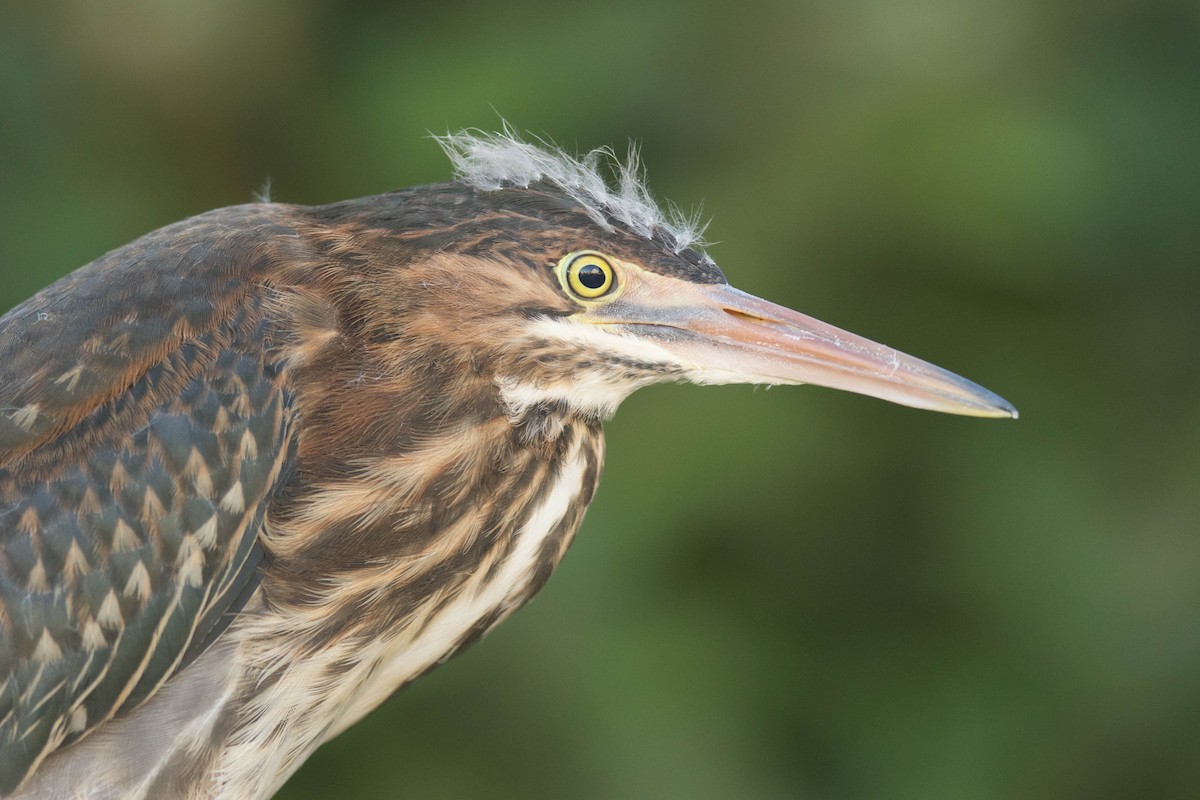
[592,276]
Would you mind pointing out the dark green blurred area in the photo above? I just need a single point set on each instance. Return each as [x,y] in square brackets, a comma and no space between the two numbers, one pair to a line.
[785,594]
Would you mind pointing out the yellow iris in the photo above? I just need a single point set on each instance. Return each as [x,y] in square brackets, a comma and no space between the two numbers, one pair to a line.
[588,275]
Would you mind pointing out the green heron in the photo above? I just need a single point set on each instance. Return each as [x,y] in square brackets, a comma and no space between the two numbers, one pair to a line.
[264,467]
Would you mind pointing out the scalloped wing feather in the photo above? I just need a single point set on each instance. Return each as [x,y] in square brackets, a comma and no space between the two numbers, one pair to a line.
[144,428]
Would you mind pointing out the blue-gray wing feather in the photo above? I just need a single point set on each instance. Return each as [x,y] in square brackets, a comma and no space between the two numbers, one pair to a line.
[137,462]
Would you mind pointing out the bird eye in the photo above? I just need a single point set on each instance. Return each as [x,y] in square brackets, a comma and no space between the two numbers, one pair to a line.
[587,275]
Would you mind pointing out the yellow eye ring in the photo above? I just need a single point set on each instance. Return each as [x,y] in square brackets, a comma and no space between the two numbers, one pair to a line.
[587,274]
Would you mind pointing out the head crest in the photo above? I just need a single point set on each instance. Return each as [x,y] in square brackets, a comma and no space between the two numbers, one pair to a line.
[494,160]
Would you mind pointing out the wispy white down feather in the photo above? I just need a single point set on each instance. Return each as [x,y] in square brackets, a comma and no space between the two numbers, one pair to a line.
[492,160]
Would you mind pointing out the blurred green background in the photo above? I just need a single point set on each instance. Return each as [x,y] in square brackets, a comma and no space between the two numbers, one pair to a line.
[785,594]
